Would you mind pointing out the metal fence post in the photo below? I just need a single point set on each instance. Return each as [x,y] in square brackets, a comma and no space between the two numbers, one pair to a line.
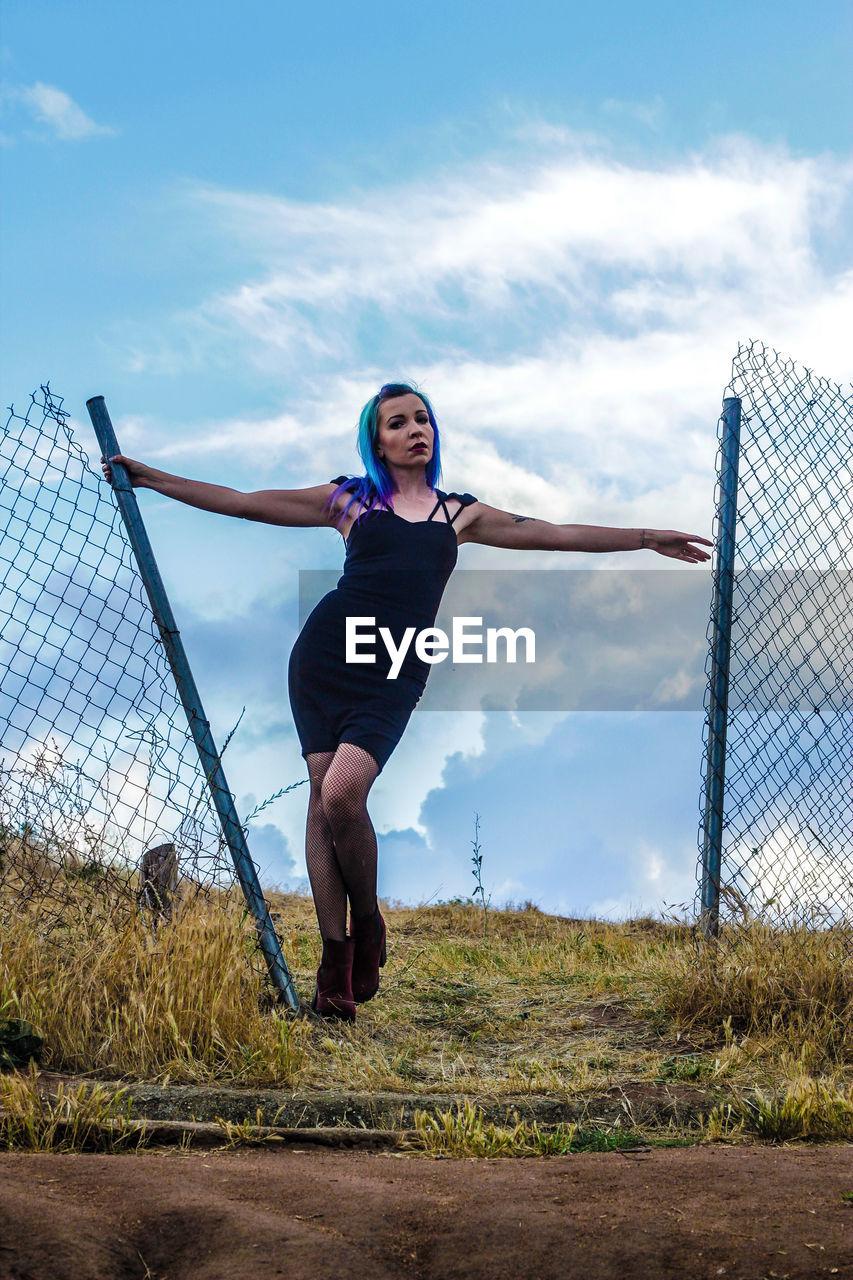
[199,726]
[719,683]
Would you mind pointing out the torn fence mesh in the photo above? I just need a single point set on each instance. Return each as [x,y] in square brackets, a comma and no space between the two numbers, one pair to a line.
[97,765]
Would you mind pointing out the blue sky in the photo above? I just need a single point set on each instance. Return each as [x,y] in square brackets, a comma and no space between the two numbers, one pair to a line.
[236,222]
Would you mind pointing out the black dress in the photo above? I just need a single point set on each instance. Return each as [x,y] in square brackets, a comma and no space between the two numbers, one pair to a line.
[395,572]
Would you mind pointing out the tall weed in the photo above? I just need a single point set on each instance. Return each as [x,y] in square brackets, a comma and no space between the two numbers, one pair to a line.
[84,1117]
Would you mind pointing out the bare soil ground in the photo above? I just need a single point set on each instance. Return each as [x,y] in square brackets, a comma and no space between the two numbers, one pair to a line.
[706,1211]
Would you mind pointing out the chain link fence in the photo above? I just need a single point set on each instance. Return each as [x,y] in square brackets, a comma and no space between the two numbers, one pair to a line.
[786,852]
[101,788]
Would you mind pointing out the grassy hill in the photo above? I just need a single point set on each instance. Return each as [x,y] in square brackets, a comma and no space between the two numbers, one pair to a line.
[533,1011]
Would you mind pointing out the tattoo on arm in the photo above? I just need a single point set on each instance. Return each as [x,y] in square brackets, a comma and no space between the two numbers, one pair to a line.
[519,519]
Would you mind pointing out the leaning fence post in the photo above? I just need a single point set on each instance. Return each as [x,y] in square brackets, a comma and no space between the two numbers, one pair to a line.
[199,726]
[712,836]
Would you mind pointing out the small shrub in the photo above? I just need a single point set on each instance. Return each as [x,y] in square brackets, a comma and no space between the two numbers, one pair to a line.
[808,1110]
[465,1132]
[85,1117]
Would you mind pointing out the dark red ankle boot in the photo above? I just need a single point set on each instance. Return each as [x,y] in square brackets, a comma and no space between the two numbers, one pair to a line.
[368,934]
[333,993]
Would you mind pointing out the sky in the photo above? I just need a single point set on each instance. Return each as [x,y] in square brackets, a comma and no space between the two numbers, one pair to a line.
[236,222]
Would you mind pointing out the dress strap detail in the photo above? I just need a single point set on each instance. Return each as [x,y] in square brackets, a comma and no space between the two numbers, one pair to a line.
[440,503]
[464,500]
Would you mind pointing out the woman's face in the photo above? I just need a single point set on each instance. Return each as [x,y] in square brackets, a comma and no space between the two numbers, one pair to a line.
[402,424]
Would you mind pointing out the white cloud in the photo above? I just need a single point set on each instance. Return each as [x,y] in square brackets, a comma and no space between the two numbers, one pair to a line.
[737,220]
[54,108]
[651,114]
[588,310]
[793,875]
[573,319]
[544,134]
[662,882]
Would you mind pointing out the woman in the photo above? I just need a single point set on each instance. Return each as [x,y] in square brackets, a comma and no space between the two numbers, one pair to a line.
[401,535]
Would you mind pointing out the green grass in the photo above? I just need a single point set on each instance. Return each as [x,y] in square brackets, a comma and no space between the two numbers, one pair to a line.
[465,1132]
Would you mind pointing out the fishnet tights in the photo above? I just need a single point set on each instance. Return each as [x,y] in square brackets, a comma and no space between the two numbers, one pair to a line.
[340,842]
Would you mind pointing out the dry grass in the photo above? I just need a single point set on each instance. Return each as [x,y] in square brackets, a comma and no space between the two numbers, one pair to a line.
[118,999]
[540,1006]
[788,989]
[85,1117]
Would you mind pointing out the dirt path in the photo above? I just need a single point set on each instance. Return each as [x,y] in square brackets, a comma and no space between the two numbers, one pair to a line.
[697,1212]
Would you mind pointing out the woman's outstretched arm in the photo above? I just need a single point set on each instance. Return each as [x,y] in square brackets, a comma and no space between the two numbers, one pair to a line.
[493,527]
[270,506]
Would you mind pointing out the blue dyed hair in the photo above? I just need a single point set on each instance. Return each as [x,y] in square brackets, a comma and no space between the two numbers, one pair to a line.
[375,487]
